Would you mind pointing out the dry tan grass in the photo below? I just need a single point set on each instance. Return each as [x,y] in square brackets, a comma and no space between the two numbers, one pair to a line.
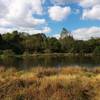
[67,83]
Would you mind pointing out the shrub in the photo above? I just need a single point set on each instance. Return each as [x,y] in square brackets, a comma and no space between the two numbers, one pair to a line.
[8,53]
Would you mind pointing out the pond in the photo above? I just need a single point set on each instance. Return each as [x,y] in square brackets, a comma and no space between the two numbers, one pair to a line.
[53,60]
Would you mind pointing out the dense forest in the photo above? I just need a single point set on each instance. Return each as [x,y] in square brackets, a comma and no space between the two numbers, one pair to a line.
[20,43]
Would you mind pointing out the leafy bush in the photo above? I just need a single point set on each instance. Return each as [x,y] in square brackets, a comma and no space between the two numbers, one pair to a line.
[8,53]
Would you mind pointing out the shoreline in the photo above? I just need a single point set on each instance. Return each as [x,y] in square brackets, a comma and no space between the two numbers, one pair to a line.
[58,54]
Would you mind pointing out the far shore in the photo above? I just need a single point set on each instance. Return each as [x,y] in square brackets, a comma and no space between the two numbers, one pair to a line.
[53,54]
[59,54]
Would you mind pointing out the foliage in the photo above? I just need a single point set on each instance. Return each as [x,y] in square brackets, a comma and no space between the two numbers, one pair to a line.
[8,53]
[53,45]
[20,42]
[97,50]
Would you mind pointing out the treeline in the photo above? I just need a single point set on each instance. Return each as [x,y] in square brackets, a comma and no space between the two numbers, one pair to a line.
[19,43]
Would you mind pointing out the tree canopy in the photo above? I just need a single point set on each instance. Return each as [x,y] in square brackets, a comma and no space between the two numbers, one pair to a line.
[19,42]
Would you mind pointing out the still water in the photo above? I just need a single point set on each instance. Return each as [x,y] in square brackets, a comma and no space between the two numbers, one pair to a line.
[27,62]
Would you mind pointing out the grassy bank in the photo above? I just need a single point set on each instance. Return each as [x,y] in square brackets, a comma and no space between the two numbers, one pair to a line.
[50,84]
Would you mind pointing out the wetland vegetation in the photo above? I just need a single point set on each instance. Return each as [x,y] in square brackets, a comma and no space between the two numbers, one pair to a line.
[66,83]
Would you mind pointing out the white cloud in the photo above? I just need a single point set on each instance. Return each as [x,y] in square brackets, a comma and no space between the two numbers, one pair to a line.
[89,3]
[82,3]
[56,36]
[27,30]
[3,9]
[20,13]
[46,30]
[58,13]
[63,2]
[91,8]
[93,13]
[86,33]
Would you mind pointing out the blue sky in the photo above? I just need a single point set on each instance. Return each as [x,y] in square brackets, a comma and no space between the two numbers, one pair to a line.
[80,17]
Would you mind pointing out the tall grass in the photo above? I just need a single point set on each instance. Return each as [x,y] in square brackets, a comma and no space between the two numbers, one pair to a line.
[67,83]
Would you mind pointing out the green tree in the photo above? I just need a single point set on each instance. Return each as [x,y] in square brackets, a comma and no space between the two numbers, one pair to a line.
[53,45]
[66,44]
[13,41]
[35,43]
[97,50]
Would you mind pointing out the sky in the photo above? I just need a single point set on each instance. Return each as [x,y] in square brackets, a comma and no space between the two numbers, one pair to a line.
[80,17]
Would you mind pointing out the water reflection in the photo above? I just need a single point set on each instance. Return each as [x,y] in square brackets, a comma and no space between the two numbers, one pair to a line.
[27,62]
